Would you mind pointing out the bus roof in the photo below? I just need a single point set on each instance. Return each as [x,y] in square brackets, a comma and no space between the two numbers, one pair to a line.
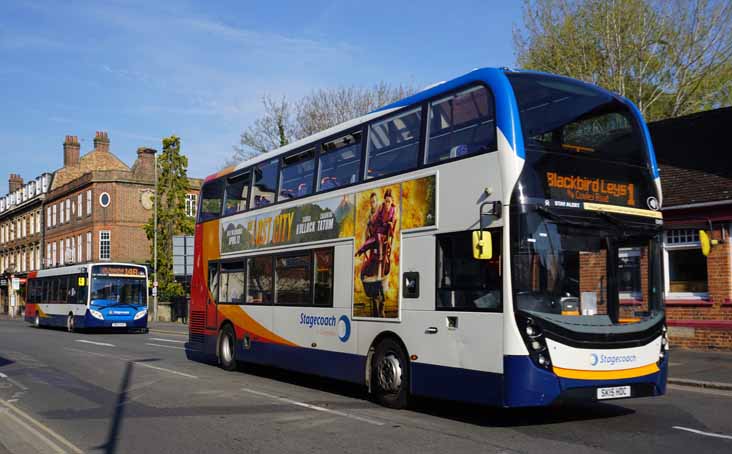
[78,269]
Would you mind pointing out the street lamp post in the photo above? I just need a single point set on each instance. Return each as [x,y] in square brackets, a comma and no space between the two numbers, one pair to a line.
[155,245]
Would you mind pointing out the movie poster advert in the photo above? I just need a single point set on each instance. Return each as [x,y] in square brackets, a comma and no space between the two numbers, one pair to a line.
[376,265]
[418,203]
[323,220]
[599,190]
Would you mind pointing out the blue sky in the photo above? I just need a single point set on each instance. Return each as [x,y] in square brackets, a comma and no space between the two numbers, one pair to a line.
[142,70]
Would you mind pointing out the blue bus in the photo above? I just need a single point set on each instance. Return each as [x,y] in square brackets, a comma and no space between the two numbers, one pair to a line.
[92,295]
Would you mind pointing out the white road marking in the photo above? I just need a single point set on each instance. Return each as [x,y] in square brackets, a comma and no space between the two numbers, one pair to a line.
[700,390]
[706,434]
[103,344]
[166,346]
[18,415]
[167,340]
[139,363]
[314,407]
[19,385]
[162,369]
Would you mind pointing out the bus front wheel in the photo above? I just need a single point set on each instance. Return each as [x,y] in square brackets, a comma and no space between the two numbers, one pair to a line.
[227,341]
[37,320]
[390,374]
[70,323]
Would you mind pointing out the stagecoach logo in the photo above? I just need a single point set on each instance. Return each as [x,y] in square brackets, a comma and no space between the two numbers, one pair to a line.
[326,325]
[652,203]
[118,312]
[611,360]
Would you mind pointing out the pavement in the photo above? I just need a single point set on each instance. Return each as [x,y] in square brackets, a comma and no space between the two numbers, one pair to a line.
[138,393]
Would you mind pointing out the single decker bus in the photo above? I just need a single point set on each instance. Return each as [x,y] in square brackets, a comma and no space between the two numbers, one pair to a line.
[494,239]
[92,295]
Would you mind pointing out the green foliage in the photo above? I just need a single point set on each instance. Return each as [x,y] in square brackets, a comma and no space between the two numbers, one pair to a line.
[670,57]
[171,210]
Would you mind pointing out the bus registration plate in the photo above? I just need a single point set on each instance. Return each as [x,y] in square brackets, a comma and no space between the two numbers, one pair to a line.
[119,325]
[616,392]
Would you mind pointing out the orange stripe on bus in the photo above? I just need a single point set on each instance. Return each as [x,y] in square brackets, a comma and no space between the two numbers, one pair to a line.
[606,374]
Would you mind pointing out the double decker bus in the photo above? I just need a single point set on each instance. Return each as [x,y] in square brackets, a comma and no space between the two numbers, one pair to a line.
[492,239]
[92,295]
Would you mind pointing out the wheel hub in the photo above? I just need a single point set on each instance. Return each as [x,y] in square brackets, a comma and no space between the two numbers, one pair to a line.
[226,349]
[390,373]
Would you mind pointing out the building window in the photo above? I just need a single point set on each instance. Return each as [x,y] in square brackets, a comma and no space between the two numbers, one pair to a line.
[38,256]
[191,205]
[88,203]
[32,260]
[68,210]
[79,250]
[61,254]
[104,200]
[105,247]
[38,221]
[686,267]
[48,255]
[79,210]
[61,218]
[53,219]
[89,247]
[48,217]
[53,255]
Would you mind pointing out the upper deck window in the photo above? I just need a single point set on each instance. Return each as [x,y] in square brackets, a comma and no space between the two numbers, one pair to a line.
[237,194]
[340,161]
[559,115]
[297,175]
[212,195]
[265,183]
[393,144]
[460,125]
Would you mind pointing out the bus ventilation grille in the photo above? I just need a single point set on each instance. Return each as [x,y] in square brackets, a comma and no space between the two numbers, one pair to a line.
[196,326]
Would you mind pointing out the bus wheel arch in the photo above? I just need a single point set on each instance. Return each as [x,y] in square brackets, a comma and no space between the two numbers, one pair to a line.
[226,346]
[388,370]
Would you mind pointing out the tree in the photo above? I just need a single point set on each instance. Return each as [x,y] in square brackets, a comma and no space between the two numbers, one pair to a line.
[171,211]
[284,122]
[670,57]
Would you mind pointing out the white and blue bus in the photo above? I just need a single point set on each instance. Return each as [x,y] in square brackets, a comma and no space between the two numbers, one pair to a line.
[92,295]
[493,239]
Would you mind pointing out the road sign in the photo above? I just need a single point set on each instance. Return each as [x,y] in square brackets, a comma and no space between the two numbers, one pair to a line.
[155,284]
[16,283]
[154,291]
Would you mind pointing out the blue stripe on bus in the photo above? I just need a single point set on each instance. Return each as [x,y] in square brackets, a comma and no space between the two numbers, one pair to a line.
[452,383]
[87,321]
[646,136]
[526,384]
[507,114]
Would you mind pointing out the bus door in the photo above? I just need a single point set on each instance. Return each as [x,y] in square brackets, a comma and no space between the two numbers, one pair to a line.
[457,316]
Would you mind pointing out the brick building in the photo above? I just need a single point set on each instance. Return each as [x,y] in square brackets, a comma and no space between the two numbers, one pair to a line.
[97,205]
[696,175]
[21,234]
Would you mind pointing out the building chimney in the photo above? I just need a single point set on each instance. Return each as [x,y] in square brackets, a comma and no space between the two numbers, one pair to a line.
[15,182]
[145,164]
[71,151]
[101,141]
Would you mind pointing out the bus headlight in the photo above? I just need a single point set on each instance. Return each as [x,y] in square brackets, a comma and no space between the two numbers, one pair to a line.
[96,314]
[535,342]
[140,314]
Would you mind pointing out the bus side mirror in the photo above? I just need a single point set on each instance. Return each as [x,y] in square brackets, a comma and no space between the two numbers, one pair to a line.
[706,242]
[482,245]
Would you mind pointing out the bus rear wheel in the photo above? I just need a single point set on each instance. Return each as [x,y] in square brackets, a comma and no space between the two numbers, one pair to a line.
[70,323]
[227,342]
[390,374]
[37,321]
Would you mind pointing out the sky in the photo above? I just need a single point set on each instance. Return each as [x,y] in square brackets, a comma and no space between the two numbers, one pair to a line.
[144,70]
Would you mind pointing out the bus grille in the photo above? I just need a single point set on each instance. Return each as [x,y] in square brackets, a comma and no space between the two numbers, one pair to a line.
[197,326]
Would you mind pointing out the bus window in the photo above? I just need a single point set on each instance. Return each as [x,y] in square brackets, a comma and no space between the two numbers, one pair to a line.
[237,194]
[292,280]
[63,289]
[81,291]
[259,280]
[461,125]
[45,297]
[340,162]
[297,175]
[212,195]
[323,277]
[53,297]
[213,280]
[231,287]
[265,183]
[393,144]
[464,283]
